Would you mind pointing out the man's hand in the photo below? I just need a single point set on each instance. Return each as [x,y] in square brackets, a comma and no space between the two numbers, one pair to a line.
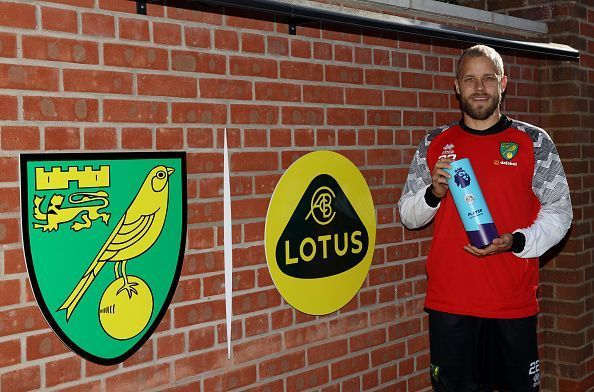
[439,177]
[499,245]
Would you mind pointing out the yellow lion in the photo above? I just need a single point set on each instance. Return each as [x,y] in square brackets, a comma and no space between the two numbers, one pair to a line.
[56,214]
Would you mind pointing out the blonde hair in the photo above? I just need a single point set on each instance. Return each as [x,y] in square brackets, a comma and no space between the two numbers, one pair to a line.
[482,51]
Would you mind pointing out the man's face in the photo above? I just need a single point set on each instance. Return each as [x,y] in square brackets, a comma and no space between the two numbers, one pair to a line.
[479,87]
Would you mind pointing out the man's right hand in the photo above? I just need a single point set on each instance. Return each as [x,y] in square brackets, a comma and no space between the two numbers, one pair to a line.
[439,177]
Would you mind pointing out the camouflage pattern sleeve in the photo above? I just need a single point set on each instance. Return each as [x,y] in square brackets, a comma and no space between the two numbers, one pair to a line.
[550,186]
[414,210]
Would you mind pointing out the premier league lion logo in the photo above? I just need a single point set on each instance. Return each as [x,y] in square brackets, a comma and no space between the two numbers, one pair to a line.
[461,178]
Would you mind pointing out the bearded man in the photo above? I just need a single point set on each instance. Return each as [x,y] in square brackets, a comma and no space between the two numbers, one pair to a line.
[482,301]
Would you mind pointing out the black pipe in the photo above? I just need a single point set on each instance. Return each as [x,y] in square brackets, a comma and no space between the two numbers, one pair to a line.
[431,30]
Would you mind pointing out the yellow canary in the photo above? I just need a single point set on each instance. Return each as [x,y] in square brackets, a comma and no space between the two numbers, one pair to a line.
[134,234]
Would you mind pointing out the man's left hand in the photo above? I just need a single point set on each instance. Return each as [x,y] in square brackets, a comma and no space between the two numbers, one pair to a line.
[499,245]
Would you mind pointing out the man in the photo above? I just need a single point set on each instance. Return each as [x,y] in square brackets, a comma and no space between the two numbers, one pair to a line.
[482,302]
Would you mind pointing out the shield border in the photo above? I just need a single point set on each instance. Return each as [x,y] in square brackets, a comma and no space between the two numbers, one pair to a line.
[23,160]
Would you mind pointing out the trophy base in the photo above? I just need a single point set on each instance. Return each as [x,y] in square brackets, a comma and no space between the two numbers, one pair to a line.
[484,236]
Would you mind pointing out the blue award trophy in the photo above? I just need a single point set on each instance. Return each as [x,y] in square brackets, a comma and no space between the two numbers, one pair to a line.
[471,204]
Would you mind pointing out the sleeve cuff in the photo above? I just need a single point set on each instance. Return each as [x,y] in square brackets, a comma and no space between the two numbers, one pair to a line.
[431,200]
[518,242]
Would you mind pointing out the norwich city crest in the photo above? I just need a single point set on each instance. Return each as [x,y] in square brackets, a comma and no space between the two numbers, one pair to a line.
[104,238]
[508,150]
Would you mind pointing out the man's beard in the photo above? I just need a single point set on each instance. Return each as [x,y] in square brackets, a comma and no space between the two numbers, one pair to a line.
[482,112]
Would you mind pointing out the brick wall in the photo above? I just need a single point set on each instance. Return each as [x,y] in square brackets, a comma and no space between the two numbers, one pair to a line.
[91,75]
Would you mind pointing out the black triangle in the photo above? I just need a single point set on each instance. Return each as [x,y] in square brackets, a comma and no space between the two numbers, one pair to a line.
[344,230]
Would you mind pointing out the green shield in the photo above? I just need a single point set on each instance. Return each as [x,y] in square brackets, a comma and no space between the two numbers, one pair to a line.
[508,150]
[104,239]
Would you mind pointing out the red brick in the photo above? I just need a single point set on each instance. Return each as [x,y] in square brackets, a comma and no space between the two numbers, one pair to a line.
[367,340]
[200,339]
[236,378]
[8,107]
[253,43]
[137,138]
[343,116]
[144,378]
[168,86]
[323,51]
[308,379]
[58,49]
[254,114]
[361,96]
[323,94]
[400,98]
[247,66]
[258,348]
[195,15]
[327,351]
[325,137]
[199,313]
[19,138]
[197,37]
[255,138]
[300,48]
[25,379]
[417,80]
[44,345]
[60,109]
[302,115]
[200,137]
[255,301]
[226,40]
[97,81]
[343,53]
[143,355]
[62,371]
[340,33]
[206,113]
[271,91]
[187,290]
[277,45]
[59,20]
[7,45]
[249,208]
[225,89]
[166,33]
[14,260]
[169,138]
[282,364]
[10,353]
[301,70]
[253,20]
[199,62]
[257,325]
[18,15]
[23,77]
[254,161]
[100,138]
[348,324]
[305,335]
[341,74]
[434,100]
[200,238]
[135,56]
[134,111]
[134,29]
[418,118]
[205,162]
[62,138]
[196,364]
[98,25]
[350,365]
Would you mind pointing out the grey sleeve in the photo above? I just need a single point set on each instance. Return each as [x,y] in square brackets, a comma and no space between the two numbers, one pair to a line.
[549,184]
[414,210]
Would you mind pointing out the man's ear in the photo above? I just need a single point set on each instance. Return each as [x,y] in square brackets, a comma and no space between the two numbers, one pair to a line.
[457,86]
[503,83]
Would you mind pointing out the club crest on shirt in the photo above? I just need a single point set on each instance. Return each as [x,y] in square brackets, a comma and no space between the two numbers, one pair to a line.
[508,150]
[447,152]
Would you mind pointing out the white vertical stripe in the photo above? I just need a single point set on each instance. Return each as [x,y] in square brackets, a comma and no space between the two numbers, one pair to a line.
[228,244]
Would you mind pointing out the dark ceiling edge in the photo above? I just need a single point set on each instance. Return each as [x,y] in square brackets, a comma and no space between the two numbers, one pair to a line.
[433,30]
